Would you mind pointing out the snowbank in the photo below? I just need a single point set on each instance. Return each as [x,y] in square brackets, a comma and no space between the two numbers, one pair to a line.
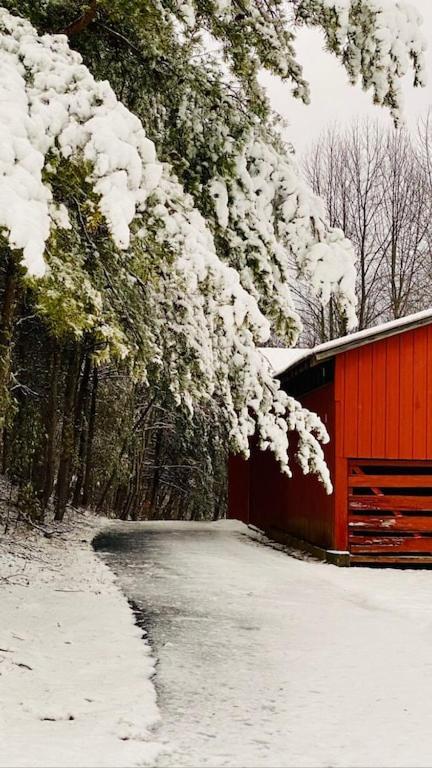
[75,675]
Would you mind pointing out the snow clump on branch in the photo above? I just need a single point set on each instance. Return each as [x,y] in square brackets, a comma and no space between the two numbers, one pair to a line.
[377,41]
[217,327]
[51,104]
[272,222]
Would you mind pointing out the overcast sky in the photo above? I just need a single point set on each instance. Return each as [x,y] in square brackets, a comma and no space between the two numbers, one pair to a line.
[332,97]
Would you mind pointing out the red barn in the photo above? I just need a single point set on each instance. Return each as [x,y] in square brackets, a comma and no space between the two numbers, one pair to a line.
[373,390]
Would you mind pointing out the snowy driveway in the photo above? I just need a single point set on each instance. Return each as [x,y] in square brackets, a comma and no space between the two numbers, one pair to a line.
[264,660]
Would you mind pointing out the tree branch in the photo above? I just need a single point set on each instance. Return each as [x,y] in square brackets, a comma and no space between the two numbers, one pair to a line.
[77,26]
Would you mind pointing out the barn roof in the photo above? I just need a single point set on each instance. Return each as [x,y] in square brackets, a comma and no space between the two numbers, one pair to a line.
[282,359]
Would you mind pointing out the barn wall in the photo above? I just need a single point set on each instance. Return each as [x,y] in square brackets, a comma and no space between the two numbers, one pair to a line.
[383,394]
[379,407]
[298,506]
[238,488]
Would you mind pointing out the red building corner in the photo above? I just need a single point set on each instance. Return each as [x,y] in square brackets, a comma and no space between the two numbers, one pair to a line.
[373,390]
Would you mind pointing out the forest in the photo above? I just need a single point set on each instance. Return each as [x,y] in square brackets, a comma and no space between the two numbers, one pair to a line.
[156,230]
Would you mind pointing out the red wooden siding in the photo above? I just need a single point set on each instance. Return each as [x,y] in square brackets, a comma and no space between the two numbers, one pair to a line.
[343,375]
[390,507]
[384,412]
[420,399]
[238,488]
[385,388]
[429,390]
[378,412]
[391,395]
[378,394]
[300,505]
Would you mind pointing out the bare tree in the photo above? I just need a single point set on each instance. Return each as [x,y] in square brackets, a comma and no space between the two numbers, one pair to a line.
[406,223]
[424,150]
[376,188]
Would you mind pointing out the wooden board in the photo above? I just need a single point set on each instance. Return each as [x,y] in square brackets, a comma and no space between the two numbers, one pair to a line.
[400,523]
[429,388]
[363,544]
[379,396]
[391,481]
[406,395]
[392,399]
[390,503]
[365,374]
[408,463]
[420,402]
[391,559]
[382,522]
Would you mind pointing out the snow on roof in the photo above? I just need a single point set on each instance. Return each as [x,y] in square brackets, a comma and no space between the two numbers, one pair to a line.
[287,358]
[385,329]
[281,358]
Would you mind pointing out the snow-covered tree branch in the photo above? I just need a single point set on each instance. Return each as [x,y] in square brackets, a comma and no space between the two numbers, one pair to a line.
[377,41]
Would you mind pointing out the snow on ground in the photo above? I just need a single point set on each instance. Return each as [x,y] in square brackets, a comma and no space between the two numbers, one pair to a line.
[263,659]
[75,687]
[266,660]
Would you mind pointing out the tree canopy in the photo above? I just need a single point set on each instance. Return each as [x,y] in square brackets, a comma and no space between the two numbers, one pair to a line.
[149,204]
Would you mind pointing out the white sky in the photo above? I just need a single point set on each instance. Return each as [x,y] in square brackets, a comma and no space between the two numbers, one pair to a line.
[333,99]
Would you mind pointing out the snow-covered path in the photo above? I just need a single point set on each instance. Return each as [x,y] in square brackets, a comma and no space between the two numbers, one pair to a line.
[265,660]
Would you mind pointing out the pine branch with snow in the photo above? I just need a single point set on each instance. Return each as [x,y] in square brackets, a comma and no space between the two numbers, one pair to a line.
[378,41]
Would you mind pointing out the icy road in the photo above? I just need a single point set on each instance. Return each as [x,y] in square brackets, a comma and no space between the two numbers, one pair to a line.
[265,660]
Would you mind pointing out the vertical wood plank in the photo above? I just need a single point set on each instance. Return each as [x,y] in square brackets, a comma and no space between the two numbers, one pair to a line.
[238,488]
[429,393]
[406,410]
[379,394]
[392,399]
[420,393]
[340,479]
[365,401]
[351,403]
[339,396]
[340,531]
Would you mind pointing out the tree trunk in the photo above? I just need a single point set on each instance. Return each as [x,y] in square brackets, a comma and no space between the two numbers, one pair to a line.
[68,433]
[89,442]
[156,473]
[82,22]
[5,449]
[131,489]
[51,427]
[6,331]
[124,447]
[81,430]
